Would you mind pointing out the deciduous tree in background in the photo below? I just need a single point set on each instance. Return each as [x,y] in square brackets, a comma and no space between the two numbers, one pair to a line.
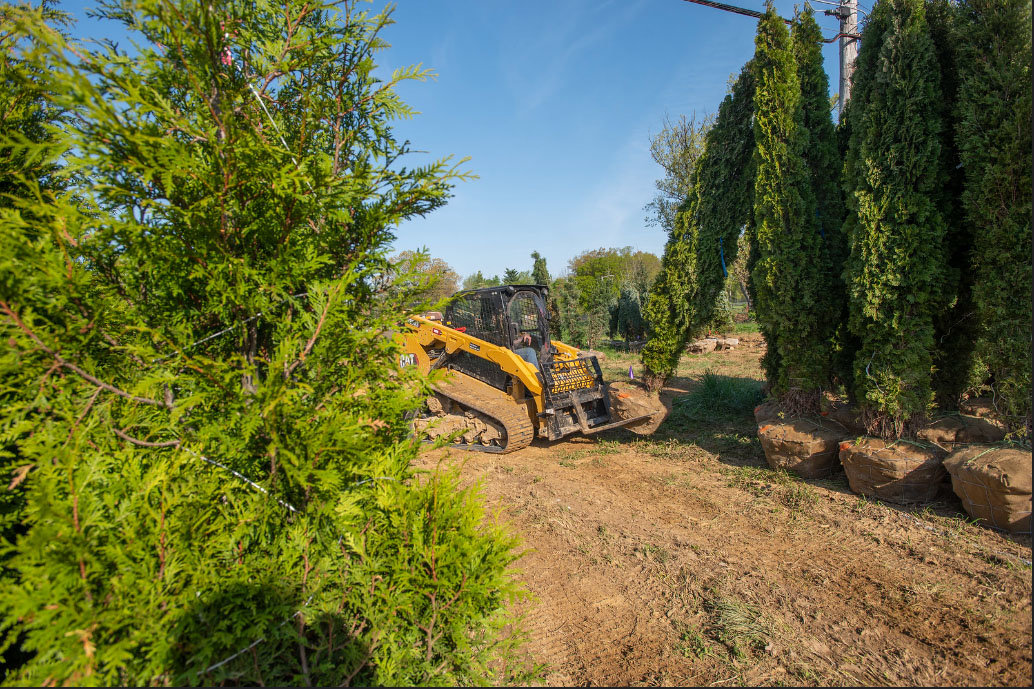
[429,279]
[217,475]
[477,280]
[994,137]
[676,148]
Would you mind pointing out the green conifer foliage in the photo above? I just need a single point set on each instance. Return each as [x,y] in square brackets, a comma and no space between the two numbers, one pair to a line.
[539,272]
[724,191]
[628,316]
[788,280]
[824,165]
[898,262]
[669,306]
[217,475]
[994,137]
[955,325]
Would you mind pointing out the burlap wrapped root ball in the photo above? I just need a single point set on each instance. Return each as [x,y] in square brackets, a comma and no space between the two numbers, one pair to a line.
[897,471]
[994,484]
[801,445]
[631,399]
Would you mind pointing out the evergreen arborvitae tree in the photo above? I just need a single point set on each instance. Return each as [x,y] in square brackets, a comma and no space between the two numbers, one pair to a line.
[955,322]
[28,151]
[850,132]
[897,264]
[539,273]
[669,306]
[629,322]
[824,165]
[994,138]
[724,193]
[217,476]
[788,279]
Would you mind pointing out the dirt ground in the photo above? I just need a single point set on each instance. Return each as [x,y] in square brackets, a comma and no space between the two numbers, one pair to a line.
[682,559]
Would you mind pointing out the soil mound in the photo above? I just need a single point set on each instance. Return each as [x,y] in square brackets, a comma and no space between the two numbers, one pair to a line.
[802,445]
[900,471]
[994,484]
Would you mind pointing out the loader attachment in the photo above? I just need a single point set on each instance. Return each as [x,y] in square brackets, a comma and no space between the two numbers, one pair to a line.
[577,400]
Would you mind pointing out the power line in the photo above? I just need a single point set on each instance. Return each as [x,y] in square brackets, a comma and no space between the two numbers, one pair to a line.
[732,8]
[758,15]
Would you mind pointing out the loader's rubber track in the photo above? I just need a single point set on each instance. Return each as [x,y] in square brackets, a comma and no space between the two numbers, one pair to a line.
[494,404]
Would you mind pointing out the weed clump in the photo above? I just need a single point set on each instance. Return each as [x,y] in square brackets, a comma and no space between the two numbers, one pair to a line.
[718,396]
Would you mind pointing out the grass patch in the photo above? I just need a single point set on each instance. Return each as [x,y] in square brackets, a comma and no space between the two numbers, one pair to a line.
[692,643]
[736,625]
[655,553]
[719,396]
[750,326]
[758,481]
[799,497]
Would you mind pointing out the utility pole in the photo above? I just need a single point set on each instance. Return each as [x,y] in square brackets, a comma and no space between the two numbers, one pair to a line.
[847,13]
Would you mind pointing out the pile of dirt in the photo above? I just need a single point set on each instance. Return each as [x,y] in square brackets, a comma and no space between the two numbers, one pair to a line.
[994,484]
[901,471]
[629,399]
[600,356]
[804,446]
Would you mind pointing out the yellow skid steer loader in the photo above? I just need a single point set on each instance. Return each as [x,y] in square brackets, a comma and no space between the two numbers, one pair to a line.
[507,382]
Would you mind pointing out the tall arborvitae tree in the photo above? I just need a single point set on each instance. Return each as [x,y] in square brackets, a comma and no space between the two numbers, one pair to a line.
[539,272]
[628,315]
[669,306]
[994,137]
[724,193]
[955,325]
[217,474]
[788,279]
[824,165]
[707,230]
[850,132]
[898,255]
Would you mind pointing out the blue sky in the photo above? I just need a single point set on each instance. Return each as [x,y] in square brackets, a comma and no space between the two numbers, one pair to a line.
[554,102]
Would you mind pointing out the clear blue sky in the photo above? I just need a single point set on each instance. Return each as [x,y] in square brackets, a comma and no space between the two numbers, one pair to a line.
[554,101]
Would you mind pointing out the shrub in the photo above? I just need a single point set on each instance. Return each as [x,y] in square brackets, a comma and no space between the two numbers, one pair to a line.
[214,445]
[719,395]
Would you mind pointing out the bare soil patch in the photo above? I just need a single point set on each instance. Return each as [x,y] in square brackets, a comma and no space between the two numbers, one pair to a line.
[683,559]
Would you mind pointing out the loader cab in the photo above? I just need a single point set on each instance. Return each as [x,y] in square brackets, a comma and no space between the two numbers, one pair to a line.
[502,316]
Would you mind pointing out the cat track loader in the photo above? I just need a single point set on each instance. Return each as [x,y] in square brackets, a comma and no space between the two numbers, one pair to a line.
[506,382]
